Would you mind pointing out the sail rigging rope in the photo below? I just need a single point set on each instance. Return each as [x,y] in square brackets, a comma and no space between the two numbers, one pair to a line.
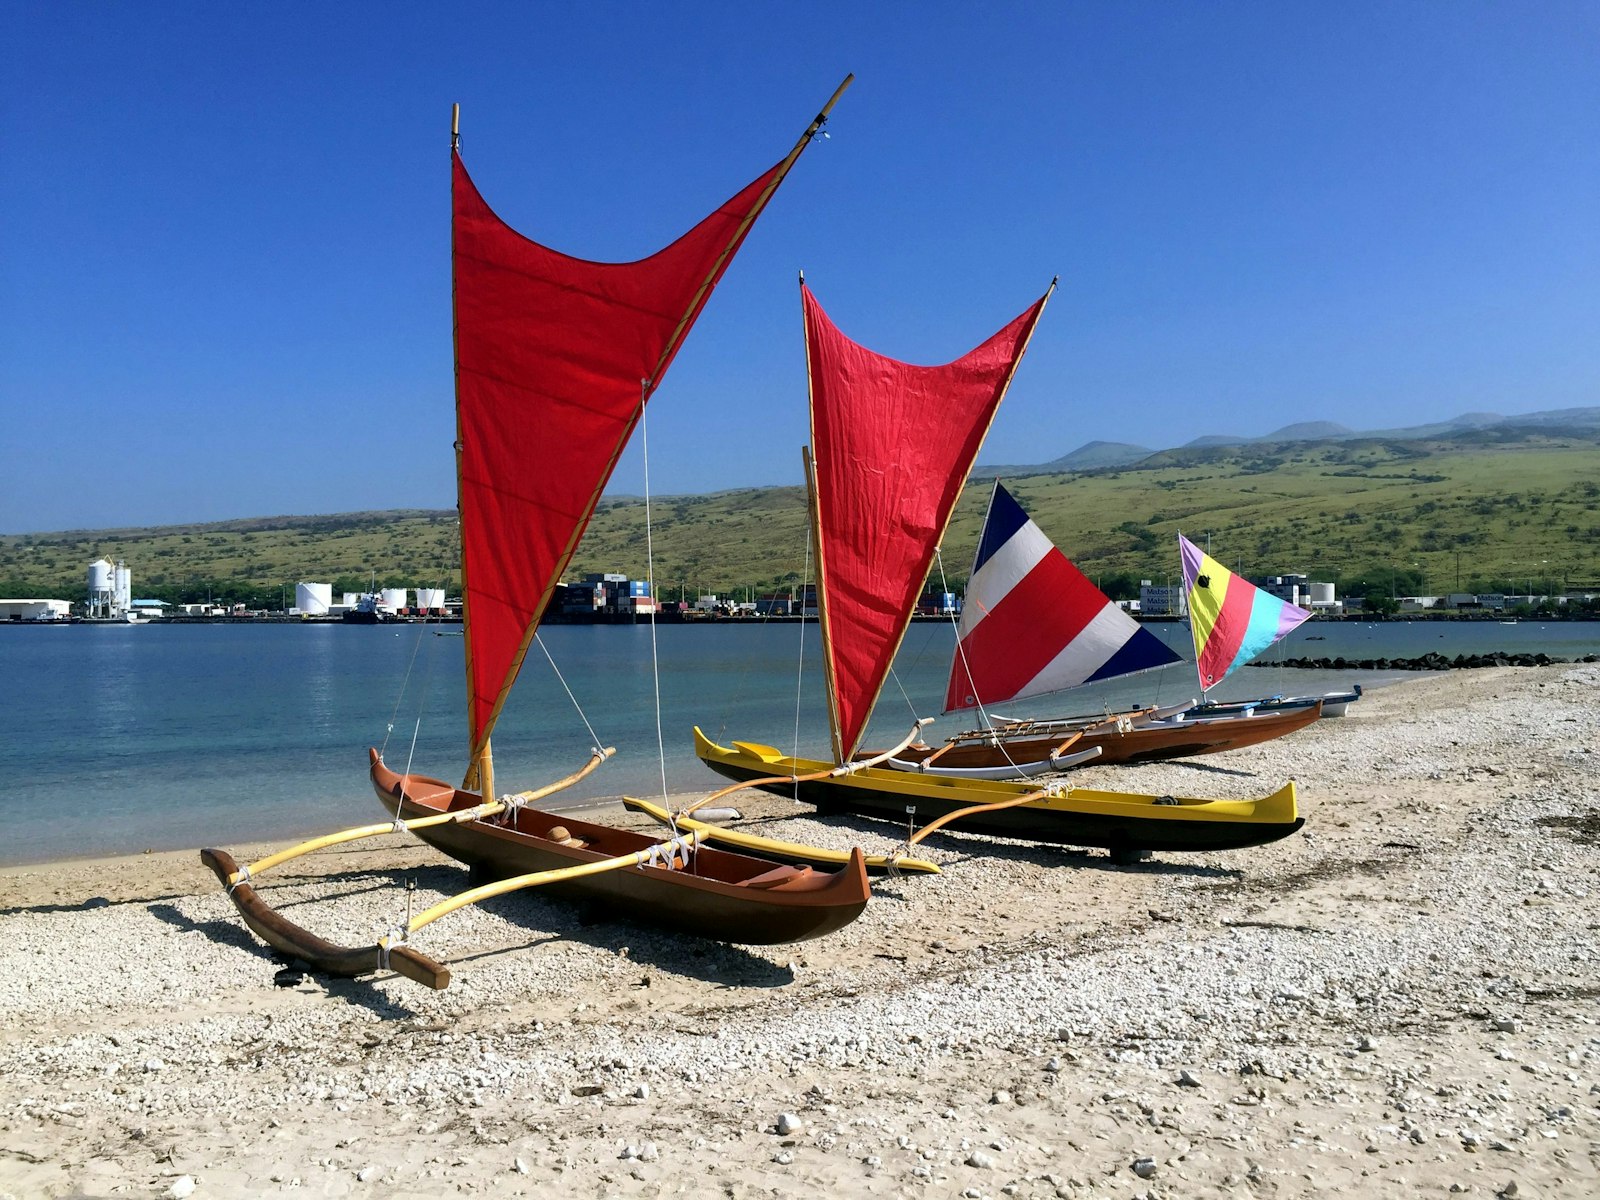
[400,695]
[422,693]
[961,653]
[800,670]
[562,680]
[650,578]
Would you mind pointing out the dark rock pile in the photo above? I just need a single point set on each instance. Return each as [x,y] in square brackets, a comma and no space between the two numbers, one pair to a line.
[1427,662]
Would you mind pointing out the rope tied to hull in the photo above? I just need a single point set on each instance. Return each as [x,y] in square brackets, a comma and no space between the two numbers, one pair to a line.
[395,937]
[665,854]
[510,805]
[240,878]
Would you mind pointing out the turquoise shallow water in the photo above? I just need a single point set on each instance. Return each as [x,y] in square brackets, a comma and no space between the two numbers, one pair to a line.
[166,737]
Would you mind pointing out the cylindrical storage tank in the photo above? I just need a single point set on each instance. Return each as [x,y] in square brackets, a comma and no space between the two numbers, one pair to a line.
[350,598]
[430,598]
[393,599]
[313,598]
[101,578]
[1322,593]
[124,585]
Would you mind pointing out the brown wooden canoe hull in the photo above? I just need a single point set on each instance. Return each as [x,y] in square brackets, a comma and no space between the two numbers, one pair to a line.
[1154,741]
[712,897]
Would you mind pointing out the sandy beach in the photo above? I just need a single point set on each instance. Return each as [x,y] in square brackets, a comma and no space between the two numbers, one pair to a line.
[1399,1001]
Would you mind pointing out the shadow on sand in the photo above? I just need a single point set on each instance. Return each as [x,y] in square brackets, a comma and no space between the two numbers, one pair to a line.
[949,848]
[547,918]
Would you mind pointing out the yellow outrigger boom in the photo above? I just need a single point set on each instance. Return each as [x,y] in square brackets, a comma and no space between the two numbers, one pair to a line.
[477,812]
[782,851]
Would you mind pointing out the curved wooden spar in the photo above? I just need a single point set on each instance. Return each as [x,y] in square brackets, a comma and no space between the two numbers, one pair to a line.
[849,768]
[365,831]
[537,878]
[939,822]
[283,934]
[774,848]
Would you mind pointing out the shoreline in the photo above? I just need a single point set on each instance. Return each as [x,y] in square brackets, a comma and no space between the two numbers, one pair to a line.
[1396,1001]
[1488,617]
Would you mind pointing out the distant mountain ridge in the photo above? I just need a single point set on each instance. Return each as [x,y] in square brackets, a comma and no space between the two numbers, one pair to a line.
[1087,457]
[1100,455]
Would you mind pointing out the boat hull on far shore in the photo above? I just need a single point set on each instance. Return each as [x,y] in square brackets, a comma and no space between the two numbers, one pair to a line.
[1122,822]
[1134,739]
[1334,704]
[719,895]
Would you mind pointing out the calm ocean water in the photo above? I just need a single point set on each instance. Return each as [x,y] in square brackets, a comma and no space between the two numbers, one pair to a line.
[122,738]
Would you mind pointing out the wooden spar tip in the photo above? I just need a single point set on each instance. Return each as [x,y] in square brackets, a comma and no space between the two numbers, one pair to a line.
[455,127]
[822,117]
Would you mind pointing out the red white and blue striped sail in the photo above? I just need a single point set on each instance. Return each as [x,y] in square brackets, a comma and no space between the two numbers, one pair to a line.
[1033,623]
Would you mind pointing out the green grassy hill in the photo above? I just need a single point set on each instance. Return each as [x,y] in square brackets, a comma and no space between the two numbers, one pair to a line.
[1491,508]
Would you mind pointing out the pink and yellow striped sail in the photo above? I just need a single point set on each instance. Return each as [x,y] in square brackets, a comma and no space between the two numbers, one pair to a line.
[1232,621]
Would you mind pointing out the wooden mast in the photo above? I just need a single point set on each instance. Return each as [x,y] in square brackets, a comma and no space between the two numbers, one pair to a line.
[814,518]
[480,771]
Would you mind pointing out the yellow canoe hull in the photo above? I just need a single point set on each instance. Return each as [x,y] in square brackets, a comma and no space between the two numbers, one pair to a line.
[1123,822]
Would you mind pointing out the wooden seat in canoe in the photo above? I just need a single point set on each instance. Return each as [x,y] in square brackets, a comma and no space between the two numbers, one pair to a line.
[788,879]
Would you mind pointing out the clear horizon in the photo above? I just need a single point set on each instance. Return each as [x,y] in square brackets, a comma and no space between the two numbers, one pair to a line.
[225,291]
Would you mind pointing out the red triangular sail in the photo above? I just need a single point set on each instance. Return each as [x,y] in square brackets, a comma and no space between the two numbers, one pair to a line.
[554,359]
[892,444]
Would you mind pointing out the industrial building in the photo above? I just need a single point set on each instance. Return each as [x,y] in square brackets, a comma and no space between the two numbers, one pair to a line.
[608,593]
[35,610]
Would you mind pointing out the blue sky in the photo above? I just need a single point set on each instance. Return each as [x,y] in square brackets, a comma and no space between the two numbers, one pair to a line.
[224,290]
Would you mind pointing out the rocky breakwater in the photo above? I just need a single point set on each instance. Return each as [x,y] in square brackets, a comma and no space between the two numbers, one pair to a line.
[1427,662]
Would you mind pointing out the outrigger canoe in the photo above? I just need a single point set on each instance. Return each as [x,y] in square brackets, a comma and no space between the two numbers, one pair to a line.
[1125,823]
[715,894]
[1025,748]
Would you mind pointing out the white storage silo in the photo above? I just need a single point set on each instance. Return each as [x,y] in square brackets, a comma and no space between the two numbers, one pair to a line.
[350,599]
[1322,595]
[392,599]
[313,599]
[430,599]
[124,583]
[100,576]
[102,587]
